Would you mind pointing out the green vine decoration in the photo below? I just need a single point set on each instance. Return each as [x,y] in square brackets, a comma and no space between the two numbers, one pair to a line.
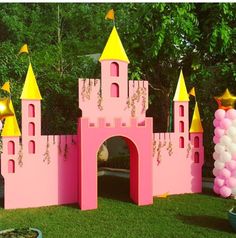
[100,99]
[20,155]
[47,154]
[188,149]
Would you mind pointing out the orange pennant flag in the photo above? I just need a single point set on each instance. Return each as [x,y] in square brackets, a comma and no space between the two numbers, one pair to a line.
[192,92]
[24,49]
[6,87]
[110,15]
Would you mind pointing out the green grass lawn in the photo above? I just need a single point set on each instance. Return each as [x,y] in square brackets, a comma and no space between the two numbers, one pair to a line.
[195,215]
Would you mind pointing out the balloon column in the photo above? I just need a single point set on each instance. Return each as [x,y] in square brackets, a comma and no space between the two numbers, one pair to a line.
[225,146]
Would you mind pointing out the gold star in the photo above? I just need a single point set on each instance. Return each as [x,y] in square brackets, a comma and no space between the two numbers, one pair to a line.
[5,110]
[226,101]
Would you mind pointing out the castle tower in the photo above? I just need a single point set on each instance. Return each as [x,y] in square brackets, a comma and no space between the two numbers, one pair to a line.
[31,112]
[116,118]
[181,111]
[10,148]
[114,71]
[196,138]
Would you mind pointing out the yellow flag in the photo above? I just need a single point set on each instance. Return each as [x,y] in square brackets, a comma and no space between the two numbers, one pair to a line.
[192,92]
[6,87]
[24,49]
[164,195]
[110,15]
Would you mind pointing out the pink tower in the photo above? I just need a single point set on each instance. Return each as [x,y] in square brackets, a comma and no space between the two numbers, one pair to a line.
[196,137]
[31,113]
[181,112]
[114,107]
[9,158]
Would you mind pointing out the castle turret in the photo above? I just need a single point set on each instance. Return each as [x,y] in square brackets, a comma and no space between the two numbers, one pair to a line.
[114,69]
[31,111]
[196,136]
[10,141]
[181,111]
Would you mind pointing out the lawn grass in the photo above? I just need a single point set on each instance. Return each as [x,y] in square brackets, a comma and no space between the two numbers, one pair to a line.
[194,215]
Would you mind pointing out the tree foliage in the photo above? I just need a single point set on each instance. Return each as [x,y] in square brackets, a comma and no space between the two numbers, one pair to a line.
[159,38]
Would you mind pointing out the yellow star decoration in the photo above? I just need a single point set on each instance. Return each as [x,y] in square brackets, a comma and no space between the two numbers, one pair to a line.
[5,110]
[226,101]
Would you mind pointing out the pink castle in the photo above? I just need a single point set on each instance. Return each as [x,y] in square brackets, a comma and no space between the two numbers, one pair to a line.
[43,170]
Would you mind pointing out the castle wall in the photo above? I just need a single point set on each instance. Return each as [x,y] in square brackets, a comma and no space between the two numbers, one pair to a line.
[174,168]
[39,180]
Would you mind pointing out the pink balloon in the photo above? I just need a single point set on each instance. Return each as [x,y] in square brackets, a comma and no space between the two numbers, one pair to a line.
[219,132]
[216,189]
[231,182]
[225,173]
[225,191]
[219,181]
[225,123]
[216,139]
[234,157]
[216,123]
[231,114]
[231,165]
[219,114]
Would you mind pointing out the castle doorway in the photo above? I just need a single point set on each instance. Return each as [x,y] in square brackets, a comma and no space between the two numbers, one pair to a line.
[118,169]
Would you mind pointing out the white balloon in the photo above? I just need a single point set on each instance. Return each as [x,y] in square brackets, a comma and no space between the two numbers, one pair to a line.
[225,140]
[219,165]
[233,191]
[231,131]
[225,156]
[233,123]
[219,148]
[233,138]
[216,155]
[215,172]
[232,148]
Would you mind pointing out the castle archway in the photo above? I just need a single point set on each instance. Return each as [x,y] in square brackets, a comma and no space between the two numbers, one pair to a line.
[122,154]
[91,138]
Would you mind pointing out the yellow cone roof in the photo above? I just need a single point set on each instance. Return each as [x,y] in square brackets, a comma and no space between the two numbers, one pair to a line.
[196,125]
[114,49]
[30,89]
[181,93]
[11,127]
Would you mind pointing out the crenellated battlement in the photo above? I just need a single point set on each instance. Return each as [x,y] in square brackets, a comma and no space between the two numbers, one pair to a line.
[115,123]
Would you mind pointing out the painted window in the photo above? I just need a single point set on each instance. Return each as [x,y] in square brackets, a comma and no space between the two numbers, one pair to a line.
[31,147]
[196,157]
[11,166]
[181,142]
[114,90]
[181,110]
[114,69]
[31,110]
[196,142]
[181,126]
[11,147]
[31,129]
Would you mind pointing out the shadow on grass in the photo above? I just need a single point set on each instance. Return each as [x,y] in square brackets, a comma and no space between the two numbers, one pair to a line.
[1,202]
[210,222]
[114,188]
